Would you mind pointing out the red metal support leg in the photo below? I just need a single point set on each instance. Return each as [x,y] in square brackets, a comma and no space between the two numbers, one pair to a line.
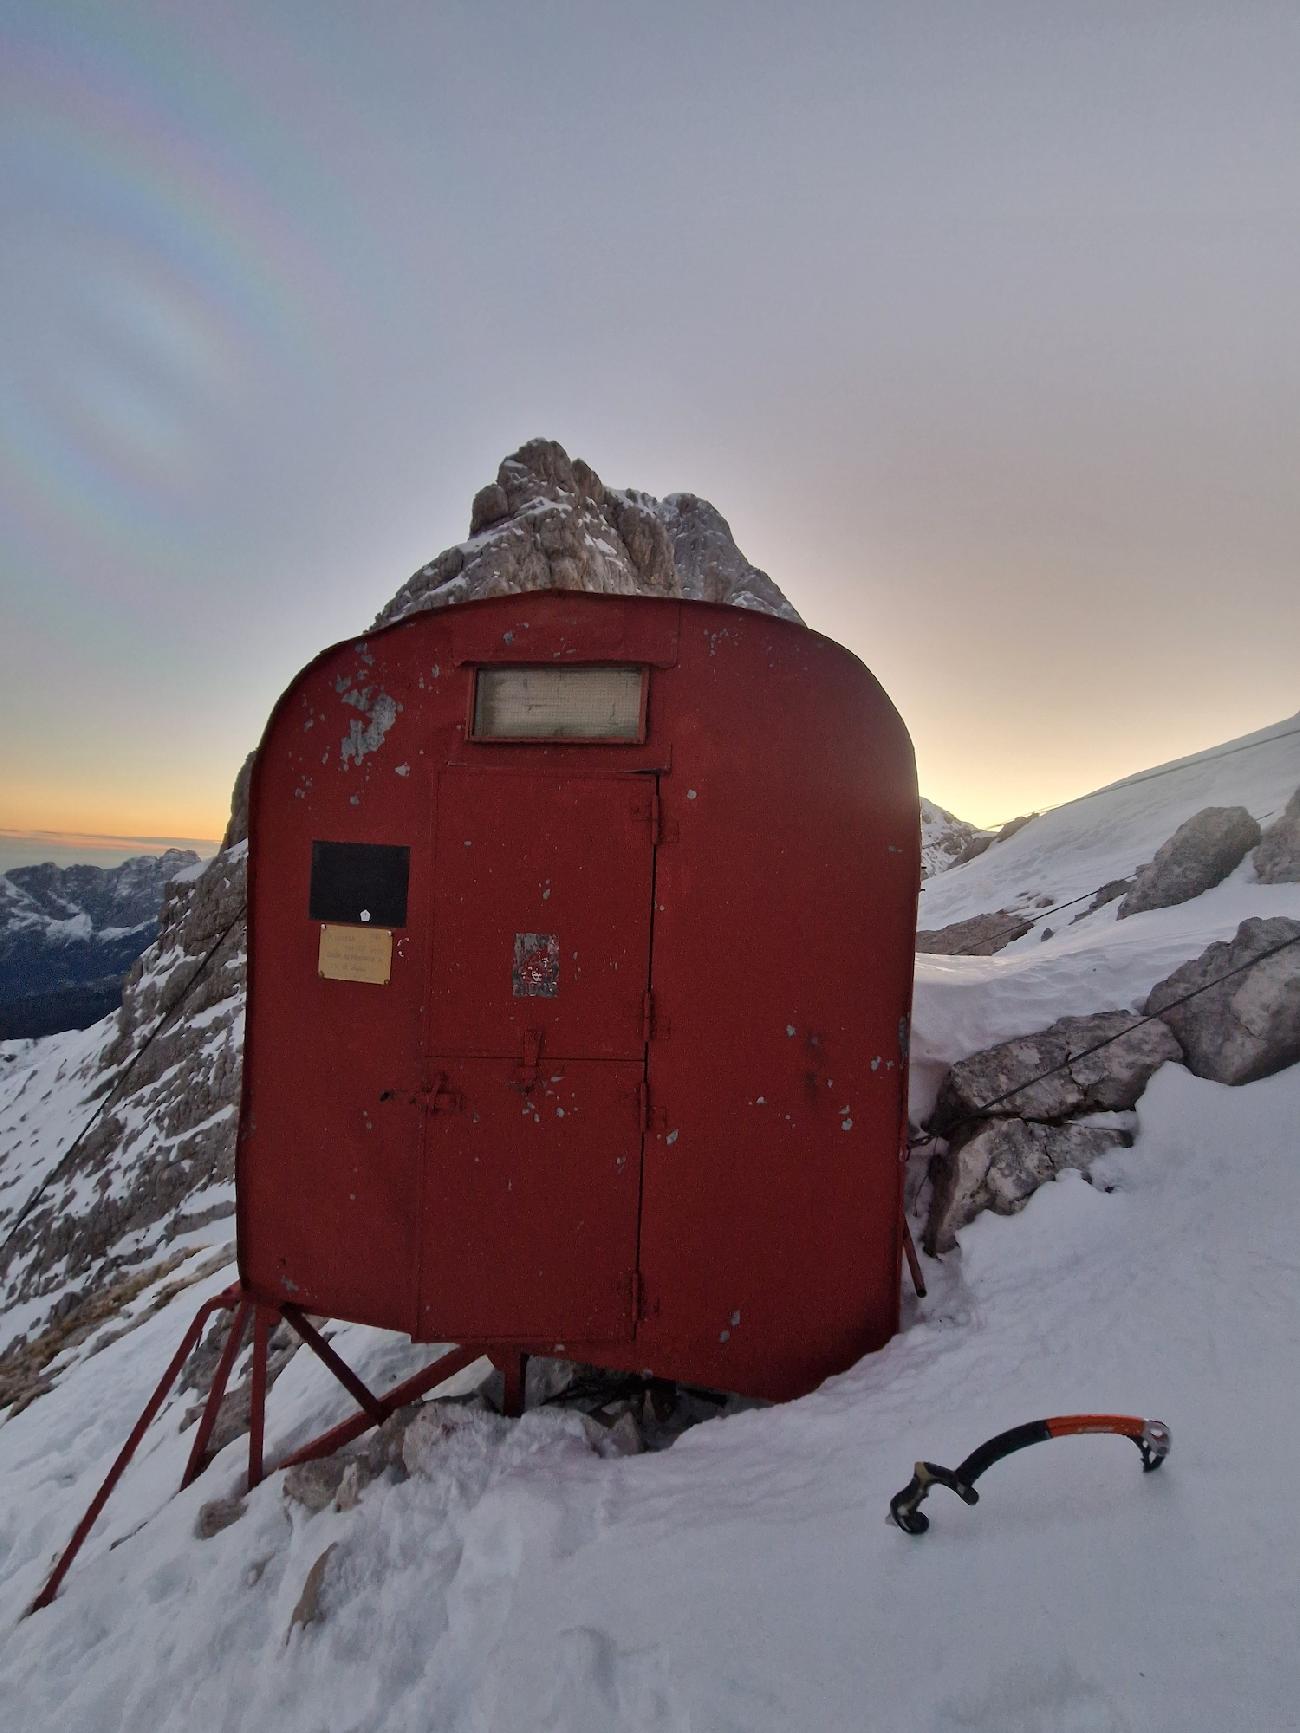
[398,1397]
[514,1367]
[913,1262]
[263,1318]
[363,1397]
[212,1407]
[222,1301]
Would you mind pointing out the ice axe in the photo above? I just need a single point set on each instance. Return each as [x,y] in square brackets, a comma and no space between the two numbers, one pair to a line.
[1150,1436]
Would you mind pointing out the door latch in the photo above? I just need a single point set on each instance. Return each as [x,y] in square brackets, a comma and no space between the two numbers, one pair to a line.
[526,1070]
[439,1097]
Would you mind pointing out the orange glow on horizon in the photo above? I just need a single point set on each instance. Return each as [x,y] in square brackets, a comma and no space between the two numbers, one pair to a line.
[104,816]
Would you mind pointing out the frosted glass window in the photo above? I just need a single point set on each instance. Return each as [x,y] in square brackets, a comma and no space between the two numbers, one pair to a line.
[540,703]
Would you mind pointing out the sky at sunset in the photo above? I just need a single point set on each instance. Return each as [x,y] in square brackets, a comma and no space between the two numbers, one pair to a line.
[977,321]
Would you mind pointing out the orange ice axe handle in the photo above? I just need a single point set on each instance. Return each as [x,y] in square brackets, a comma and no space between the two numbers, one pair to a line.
[1150,1436]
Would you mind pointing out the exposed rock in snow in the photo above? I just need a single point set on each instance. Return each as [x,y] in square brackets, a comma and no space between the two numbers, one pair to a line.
[1199,855]
[1010,828]
[1249,1027]
[981,840]
[1000,1163]
[158,1161]
[549,522]
[998,1155]
[309,1609]
[218,1514]
[710,567]
[237,827]
[1108,1080]
[1277,859]
[1107,894]
[315,1485]
[944,838]
[980,936]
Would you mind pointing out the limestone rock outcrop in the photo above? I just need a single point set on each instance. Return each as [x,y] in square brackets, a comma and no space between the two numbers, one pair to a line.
[1277,859]
[999,1164]
[549,522]
[1009,1127]
[1199,855]
[985,839]
[1107,893]
[1248,1026]
[979,936]
[1107,1080]
[944,838]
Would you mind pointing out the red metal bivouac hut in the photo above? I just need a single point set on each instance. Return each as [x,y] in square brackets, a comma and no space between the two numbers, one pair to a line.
[580,957]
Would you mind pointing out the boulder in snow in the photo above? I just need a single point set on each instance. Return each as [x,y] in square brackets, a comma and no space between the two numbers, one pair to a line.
[980,936]
[309,1610]
[1000,1163]
[1106,1080]
[315,1485]
[1249,1027]
[1106,894]
[1277,859]
[1199,855]
[216,1514]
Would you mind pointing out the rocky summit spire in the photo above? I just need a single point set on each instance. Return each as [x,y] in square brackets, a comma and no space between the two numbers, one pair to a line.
[548,522]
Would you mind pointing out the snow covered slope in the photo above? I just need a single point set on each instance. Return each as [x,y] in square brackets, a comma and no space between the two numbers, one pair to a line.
[1074,849]
[746,1580]
[154,1094]
[1076,962]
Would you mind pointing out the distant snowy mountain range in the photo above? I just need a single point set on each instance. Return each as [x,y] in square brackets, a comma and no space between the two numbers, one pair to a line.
[68,935]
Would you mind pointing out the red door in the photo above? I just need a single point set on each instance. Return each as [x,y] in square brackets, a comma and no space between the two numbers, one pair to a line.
[537,1029]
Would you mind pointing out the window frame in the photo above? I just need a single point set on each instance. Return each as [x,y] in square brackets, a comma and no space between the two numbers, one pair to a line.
[477,738]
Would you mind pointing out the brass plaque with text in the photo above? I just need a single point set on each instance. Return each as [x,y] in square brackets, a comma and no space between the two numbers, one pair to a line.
[356,954]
